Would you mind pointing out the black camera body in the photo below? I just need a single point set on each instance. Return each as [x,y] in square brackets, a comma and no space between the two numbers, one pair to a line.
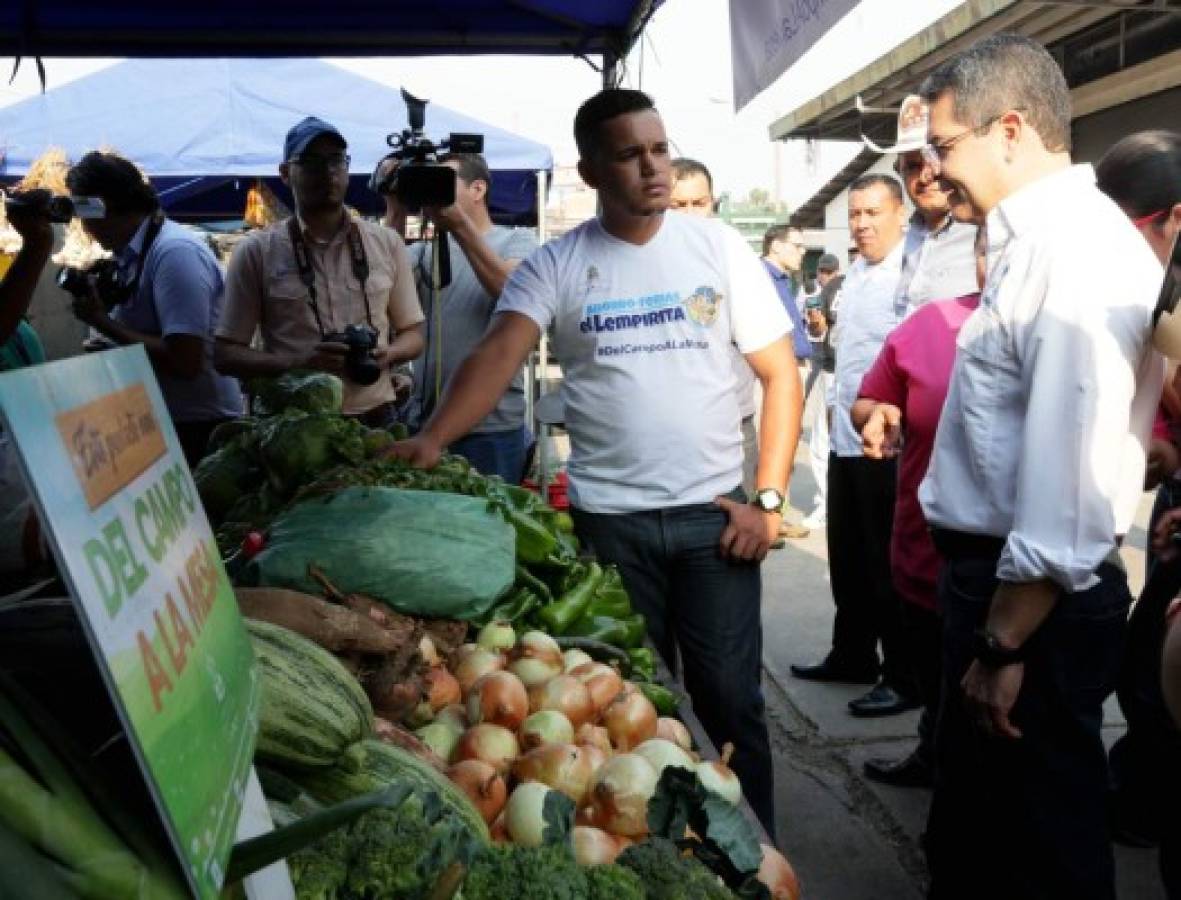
[421,180]
[104,274]
[55,208]
[360,365]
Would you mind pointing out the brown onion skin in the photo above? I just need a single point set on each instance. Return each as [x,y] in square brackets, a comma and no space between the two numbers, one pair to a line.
[630,719]
[473,744]
[565,694]
[484,786]
[501,700]
[442,688]
[674,730]
[562,767]
[603,682]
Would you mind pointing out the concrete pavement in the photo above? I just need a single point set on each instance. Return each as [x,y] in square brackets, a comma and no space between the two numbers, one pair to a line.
[847,837]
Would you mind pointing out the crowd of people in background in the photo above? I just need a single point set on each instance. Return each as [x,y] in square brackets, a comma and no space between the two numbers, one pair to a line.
[988,410]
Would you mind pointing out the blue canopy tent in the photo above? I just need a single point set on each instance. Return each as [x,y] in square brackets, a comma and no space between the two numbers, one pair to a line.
[220,28]
[204,129]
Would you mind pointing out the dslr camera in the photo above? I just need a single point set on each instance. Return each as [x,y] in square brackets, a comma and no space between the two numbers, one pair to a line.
[105,276]
[421,180]
[54,208]
[360,365]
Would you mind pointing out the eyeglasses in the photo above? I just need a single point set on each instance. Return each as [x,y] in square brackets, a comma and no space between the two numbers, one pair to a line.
[337,162]
[1151,217]
[935,153]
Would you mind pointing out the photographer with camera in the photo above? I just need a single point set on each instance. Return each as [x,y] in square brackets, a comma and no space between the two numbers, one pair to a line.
[164,291]
[326,291]
[482,255]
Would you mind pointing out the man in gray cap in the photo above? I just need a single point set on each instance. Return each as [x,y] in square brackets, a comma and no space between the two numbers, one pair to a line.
[305,282]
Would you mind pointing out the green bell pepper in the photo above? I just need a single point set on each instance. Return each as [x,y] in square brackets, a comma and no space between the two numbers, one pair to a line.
[571,606]
[665,701]
[643,663]
[634,631]
[601,628]
[516,607]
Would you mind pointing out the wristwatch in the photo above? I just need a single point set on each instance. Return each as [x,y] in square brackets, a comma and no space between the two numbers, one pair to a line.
[992,653]
[768,500]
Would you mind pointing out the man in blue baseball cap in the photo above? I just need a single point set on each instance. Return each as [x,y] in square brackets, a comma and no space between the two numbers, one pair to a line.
[321,278]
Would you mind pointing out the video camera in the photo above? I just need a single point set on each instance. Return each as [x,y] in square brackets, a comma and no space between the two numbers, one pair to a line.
[421,180]
[54,208]
[105,275]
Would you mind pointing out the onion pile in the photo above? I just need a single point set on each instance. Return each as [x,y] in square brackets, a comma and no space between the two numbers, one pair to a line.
[520,720]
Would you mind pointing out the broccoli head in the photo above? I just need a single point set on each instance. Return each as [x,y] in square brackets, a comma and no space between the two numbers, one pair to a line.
[667,875]
[612,882]
[296,447]
[526,873]
[319,870]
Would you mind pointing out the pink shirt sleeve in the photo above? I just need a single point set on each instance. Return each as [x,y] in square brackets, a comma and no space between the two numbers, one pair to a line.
[885,381]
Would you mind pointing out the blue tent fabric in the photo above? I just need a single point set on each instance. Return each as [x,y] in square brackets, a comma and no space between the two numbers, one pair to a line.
[200,125]
[222,28]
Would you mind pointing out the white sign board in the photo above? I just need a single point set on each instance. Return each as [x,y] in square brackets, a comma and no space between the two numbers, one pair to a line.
[768,36]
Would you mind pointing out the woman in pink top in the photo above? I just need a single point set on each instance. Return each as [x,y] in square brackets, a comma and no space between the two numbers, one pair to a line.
[897,412]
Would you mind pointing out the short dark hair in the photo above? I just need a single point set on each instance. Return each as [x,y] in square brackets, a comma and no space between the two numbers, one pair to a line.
[116,180]
[471,167]
[1142,173]
[684,167]
[889,182]
[1002,72]
[777,233]
[603,106]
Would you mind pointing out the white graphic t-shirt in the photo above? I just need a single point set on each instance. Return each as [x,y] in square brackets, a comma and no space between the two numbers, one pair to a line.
[644,337]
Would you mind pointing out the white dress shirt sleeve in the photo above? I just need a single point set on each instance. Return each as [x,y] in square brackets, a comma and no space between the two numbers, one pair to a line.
[1078,362]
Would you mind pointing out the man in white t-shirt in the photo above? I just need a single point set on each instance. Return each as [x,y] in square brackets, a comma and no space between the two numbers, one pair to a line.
[643,309]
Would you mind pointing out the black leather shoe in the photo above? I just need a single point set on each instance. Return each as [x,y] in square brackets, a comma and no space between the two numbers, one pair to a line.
[882,700]
[910,771]
[827,670]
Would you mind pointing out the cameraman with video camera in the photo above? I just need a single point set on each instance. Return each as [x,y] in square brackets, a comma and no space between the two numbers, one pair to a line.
[482,256]
[325,290]
[164,291]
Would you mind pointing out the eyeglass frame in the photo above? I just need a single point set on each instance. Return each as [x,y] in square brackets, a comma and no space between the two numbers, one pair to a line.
[336,162]
[935,154]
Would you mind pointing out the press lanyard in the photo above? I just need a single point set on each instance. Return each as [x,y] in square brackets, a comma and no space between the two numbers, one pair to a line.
[154,226]
[303,262]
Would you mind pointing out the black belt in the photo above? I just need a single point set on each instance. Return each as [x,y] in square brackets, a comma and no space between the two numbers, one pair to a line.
[965,545]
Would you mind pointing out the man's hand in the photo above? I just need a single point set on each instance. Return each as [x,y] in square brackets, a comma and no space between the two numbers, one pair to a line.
[449,218]
[750,532]
[30,219]
[990,695]
[326,356]
[1163,461]
[420,451]
[1162,535]
[91,309]
[816,323]
[881,438]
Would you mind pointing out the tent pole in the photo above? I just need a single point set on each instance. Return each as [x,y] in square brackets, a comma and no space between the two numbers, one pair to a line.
[542,431]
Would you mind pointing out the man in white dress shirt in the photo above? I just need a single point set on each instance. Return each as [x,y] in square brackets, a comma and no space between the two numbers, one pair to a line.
[1035,476]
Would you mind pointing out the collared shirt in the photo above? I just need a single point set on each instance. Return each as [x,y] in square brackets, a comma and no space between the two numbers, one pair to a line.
[787,296]
[865,317]
[264,291]
[179,293]
[936,265]
[1043,436]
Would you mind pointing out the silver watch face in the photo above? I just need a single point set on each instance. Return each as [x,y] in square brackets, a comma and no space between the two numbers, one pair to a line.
[769,499]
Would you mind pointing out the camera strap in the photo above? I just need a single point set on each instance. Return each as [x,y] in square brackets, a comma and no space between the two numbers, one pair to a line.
[307,274]
[154,225]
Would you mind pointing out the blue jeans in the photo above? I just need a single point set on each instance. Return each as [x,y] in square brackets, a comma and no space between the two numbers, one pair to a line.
[707,607]
[1027,819]
[495,453]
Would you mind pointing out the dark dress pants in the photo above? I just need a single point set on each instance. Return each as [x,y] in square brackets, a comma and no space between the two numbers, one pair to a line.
[924,634]
[868,610]
[1027,819]
[707,607]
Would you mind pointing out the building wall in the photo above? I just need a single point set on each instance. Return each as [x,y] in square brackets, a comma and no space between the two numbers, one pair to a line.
[1093,135]
[836,237]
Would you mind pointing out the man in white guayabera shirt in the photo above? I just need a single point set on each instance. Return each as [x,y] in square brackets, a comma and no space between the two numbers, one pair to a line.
[644,308]
[1035,476]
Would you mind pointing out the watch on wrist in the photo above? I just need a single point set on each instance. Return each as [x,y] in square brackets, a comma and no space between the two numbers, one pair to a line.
[989,651]
[768,500]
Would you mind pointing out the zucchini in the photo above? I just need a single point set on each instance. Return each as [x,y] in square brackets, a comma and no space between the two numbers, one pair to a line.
[372,765]
[311,707]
